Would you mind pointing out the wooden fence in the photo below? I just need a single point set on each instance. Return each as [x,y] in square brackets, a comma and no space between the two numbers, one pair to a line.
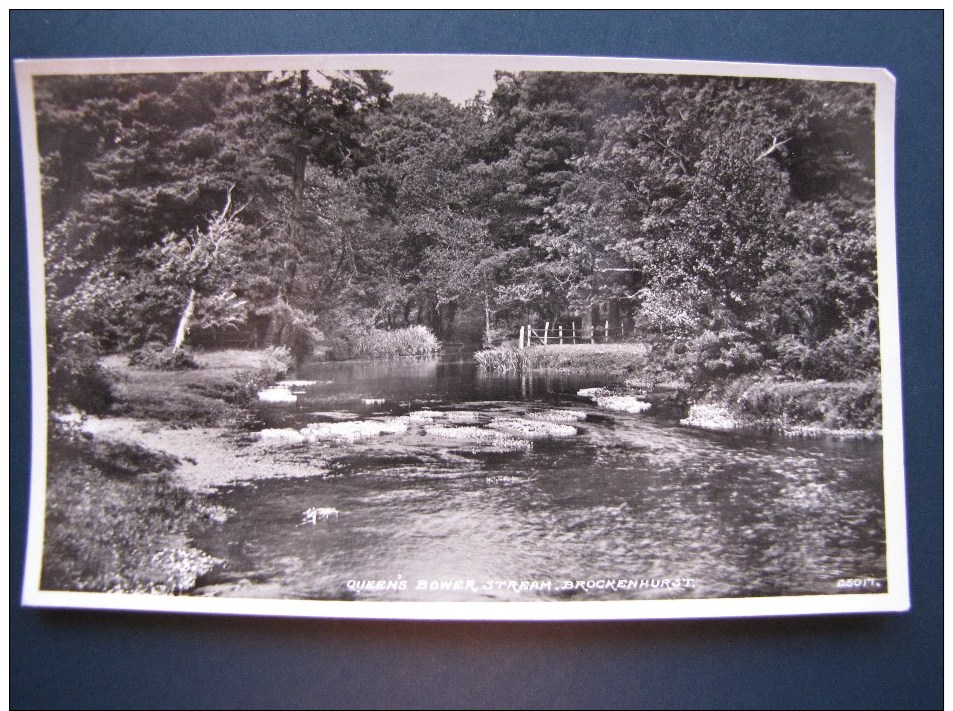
[562,334]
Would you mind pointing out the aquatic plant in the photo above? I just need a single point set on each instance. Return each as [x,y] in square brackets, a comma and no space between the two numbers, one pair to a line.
[353,431]
[465,433]
[335,414]
[558,415]
[506,443]
[468,417]
[316,513]
[425,415]
[277,394]
[710,417]
[532,428]
[376,343]
[622,403]
[504,358]
[284,435]
[843,433]
[589,358]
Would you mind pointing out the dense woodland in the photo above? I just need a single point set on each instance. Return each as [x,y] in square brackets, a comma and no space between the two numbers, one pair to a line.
[728,222]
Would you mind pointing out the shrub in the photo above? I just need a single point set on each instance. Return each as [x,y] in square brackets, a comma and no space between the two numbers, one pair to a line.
[75,375]
[293,329]
[848,353]
[855,404]
[157,356]
[712,355]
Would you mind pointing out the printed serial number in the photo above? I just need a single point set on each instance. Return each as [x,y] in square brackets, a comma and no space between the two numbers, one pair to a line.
[859,583]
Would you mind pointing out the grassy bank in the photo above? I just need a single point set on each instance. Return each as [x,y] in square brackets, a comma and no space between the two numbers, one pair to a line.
[793,408]
[209,395]
[118,509]
[616,360]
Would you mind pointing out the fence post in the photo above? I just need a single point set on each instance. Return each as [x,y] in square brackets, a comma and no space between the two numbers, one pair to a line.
[522,333]
[607,330]
[574,333]
[560,334]
[546,334]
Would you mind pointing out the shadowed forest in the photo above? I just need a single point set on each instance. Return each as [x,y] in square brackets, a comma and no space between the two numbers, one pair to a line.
[725,222]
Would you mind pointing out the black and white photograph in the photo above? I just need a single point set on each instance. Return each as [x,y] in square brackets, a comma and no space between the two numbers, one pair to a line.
[469,337]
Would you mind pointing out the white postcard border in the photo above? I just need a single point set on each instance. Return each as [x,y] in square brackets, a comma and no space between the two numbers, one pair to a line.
[897,599]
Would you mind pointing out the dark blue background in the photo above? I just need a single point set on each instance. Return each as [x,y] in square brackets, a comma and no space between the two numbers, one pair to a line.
[82,659]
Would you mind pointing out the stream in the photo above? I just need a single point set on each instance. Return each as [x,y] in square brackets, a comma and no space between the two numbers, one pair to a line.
[455,497]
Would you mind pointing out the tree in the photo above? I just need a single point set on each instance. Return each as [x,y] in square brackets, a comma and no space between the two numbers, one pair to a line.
[204,264]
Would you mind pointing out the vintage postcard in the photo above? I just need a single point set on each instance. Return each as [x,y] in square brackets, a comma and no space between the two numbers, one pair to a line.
[463,337]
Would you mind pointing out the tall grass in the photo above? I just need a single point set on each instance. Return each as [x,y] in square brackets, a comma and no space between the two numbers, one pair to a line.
[504,359]
[610,358]
[376,343]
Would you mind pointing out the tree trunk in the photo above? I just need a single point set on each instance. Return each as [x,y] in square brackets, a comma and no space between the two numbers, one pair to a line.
[614,316]
[184,322]
[299,171]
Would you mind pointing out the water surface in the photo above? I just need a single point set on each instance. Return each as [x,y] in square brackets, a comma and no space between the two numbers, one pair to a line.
[633,506]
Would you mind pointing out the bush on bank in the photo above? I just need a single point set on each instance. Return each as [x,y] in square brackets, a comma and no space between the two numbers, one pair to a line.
[853,404]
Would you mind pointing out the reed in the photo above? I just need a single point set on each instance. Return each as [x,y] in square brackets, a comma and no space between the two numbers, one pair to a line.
[375,343]
[504,359]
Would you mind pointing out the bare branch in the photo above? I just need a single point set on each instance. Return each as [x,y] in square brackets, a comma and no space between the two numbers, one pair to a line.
[228,203]
[775,145]
[682,160]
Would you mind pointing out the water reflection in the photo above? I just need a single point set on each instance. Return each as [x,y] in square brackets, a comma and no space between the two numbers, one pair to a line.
[630,497]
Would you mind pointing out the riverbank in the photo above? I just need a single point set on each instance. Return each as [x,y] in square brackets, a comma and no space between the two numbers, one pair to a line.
[813,408]
[139,473]
[757,402]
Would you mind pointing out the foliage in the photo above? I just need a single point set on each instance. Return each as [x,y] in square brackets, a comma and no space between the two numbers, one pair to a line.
[727,221]
[278,361]
[75,376]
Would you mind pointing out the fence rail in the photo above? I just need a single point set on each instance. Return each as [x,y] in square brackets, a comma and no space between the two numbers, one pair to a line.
[562,334]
